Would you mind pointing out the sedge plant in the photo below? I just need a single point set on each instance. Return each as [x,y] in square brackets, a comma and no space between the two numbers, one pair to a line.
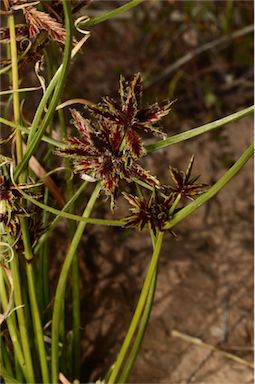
[37,344]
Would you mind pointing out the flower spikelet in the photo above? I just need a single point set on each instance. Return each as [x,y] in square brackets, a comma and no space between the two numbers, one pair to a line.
[129,113]
[38,21]
[96,155]
[184,184]
[153,212]
[10,209]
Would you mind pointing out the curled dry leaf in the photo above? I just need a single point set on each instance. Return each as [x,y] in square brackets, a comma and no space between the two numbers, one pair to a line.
[48,181]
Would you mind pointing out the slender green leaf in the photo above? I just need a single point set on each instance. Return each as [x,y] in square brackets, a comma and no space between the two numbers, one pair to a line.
[198,131]
[60,291]
[139,310]
[110,14]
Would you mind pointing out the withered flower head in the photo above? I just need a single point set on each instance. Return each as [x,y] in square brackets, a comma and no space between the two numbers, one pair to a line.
[184,184]
[27,51]
[153,212]
[40,27]
[159,209]
[10,208]
[21,33]
[97,155]
[36,23]
[129,113]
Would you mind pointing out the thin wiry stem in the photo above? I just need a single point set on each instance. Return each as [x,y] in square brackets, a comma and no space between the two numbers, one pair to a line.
[24,227]
[76,347]
[161,143]
[200,130]
[113,223]
[67,207]
[60,291]
[23,326]
[138,312]
[15,86]
[57,82]
[110,14]
[142,326]
[12,327]
[7,377]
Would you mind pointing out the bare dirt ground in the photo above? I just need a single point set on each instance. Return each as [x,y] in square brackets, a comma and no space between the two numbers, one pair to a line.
[204,290]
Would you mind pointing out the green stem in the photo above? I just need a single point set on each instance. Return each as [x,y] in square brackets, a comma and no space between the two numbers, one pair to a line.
[5,358]
[76,345]
[141,332]
[24,228]
[60,291]
[43,288]
[58,80]
[38,332]
[143,324]
[15,85]
[19,151]
[76,348]
[18,372]
[162,143]
[12,327]
[8,378]
[199,130]
[146,186]
[138,311]
[43,262]
[19,90]
[25,130]
[110,14]
[37,323]
[226,178]
[175,204]
[21,319]
[113,223]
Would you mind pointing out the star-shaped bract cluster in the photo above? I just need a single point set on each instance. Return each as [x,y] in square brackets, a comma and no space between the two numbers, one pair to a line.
[96,154]
[156,211]
[153,212]
[131,116]
[184,184]
[110,144]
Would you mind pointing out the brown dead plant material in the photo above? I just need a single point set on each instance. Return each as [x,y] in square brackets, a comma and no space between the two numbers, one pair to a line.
[47,180]
[38,21]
